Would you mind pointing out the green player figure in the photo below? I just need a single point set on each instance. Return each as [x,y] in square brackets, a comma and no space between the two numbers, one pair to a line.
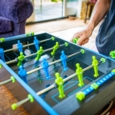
[59,81]
[79,72]
[95,66]
[55,48]
[39,53]
[20,59]
[0,65]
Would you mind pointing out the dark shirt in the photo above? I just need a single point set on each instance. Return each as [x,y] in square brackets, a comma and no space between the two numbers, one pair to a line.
[105,40]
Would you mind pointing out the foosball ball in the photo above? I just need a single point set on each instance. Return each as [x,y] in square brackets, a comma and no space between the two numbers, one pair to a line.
[48,75]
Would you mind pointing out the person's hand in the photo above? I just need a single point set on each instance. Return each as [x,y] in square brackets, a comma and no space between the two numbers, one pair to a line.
[83,36]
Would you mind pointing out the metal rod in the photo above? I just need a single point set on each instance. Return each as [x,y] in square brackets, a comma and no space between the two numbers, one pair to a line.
[73,75]
[27,99]
[26,45]
[16,105]
[12,61]
[45,40]
[36,52]
[74,54]
[70,77]
[15,60]
[34,70]
[22,102]
[55,62]
[31,55]
[87,68]
[46,89]
[37,69]
[6,81]
[50,87]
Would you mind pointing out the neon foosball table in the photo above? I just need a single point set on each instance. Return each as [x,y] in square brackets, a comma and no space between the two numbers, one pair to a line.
[48,75]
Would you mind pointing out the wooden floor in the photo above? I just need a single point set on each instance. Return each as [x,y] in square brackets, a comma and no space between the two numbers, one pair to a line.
[54,26]
[6,99]
[112,111]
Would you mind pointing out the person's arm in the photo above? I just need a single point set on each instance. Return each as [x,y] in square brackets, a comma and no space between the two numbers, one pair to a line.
[100,10]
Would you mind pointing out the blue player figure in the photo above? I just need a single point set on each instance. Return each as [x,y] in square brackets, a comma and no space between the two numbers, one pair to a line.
[63,59]
[45,66]
[36,43]
[2,54]
[20,46]
[22,73]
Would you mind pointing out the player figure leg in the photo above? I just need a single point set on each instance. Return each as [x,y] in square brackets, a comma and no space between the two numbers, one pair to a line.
[80,77]
[61,91]
[47,73]
[96,74]
[64,65]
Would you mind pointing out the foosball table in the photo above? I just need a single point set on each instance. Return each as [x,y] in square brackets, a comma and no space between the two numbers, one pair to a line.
[48,75]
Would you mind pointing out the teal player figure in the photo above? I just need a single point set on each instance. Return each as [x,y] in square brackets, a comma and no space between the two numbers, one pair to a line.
[45,66]
[79,72]
[2,54]
[63,59]
[95,66]
[20,46]
[22,73]
[59,81]
[36,43]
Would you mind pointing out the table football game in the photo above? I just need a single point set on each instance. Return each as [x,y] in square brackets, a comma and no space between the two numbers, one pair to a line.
[48,75]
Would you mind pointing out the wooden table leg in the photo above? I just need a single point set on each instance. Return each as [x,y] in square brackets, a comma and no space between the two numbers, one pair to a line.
[87,4]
